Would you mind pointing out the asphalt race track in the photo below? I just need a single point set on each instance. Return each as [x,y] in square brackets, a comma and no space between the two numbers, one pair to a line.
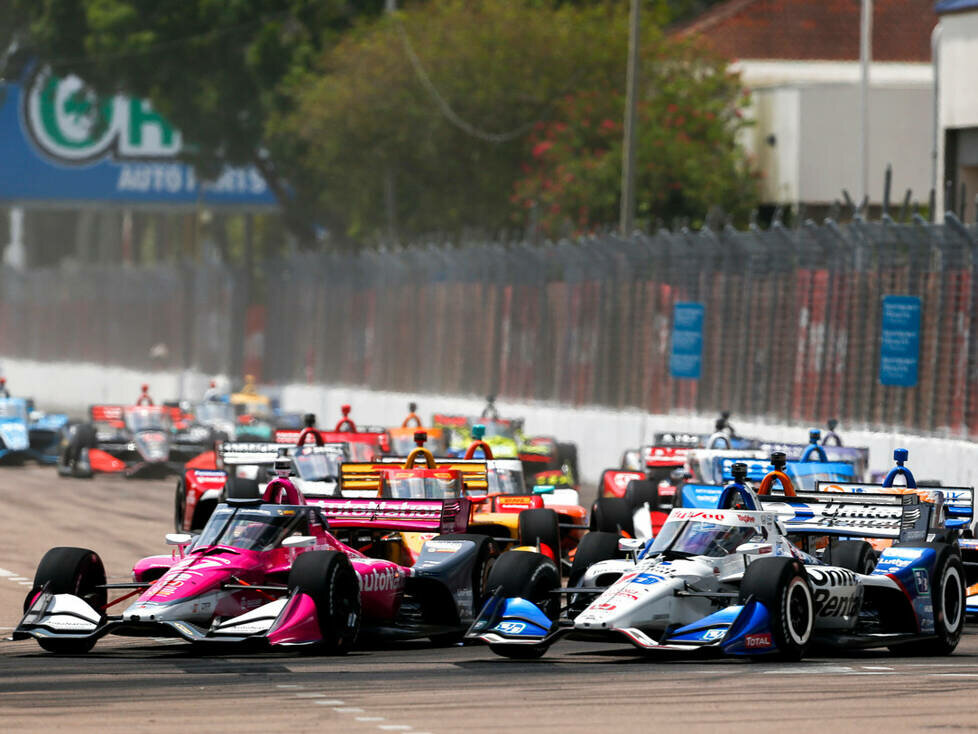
[143,685]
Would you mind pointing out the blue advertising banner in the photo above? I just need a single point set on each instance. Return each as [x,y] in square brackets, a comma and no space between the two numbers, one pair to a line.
[900,342]
[686,357]
[60,144]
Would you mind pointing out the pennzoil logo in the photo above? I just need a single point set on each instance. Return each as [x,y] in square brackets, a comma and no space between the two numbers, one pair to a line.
[66,121]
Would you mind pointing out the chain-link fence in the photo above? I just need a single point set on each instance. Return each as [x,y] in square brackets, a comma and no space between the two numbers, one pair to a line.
[159,318]
[792,328]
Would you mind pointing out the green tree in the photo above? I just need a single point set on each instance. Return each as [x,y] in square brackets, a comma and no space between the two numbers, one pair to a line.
[432,121]
[214,68]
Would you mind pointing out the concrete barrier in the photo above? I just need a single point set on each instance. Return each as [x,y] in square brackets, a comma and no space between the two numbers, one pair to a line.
[601,434]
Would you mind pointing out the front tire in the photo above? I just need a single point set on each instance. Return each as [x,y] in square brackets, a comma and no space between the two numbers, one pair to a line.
[782,586]
[328,577]
[77,571]
[854,555]
[530,576]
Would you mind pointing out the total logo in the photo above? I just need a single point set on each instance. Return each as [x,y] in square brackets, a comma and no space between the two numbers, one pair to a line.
[754,642]
[67,122]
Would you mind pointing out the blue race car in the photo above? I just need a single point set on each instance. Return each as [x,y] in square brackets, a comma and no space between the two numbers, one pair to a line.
[26,432]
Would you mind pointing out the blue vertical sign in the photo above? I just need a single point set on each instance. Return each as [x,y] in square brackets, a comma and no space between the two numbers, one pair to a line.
[900,342]
[686,357]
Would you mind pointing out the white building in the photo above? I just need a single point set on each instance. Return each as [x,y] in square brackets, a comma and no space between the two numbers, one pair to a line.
[800,59]
[957,142]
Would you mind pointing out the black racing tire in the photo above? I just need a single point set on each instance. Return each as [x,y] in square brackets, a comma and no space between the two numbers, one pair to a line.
[241,489]
[782,586]
[77,571]
[594,546]
[612,515]
[328,577]
[640,491]
[82,437]
[947,591]
[179,506]
[540,525]
[567,456]
[854,555]
[531,576]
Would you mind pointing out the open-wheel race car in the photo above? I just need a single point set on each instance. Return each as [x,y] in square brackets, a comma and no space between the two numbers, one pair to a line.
[540,455]
[137,440]
[27,433]
[503,507]
[274,571]
[760,575]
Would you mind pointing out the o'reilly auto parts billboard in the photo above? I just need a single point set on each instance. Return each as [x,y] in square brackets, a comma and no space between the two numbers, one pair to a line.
[61,144]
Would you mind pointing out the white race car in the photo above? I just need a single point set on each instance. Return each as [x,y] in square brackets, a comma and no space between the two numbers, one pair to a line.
[747,580]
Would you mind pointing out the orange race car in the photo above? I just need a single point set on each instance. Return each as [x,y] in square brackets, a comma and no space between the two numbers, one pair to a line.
[502,507]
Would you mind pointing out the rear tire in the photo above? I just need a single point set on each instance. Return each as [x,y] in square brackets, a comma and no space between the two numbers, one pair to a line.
[328,577]
[77,571]
[640,491]
[594,546]
[781,585]
[567,456]
[179,507]
[947,591]
[540,526]
[854,555]
[612,515]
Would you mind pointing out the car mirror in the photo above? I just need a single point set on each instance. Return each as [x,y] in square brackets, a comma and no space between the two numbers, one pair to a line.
[179,538]
[544,489]
[299,541]
[755,548]
[630,545]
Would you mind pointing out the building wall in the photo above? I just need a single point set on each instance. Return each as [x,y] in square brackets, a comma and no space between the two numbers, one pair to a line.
[806,135]
[957,155]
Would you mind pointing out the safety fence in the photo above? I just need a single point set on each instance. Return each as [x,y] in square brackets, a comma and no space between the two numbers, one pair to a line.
[791,329]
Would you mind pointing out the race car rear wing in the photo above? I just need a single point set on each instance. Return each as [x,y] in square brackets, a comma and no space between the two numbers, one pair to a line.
[958,502]
[238,452]
[106,413]
[365,477]
[406,515]
[757,469]
[900,517]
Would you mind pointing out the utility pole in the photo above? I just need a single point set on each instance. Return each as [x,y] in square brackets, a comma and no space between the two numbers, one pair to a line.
[865,58]
[627,217]
[390,190]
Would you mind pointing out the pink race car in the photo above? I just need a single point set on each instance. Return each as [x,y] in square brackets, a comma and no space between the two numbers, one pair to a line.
[271,570]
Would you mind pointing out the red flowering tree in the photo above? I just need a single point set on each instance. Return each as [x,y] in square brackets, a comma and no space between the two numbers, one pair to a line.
[687,152]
